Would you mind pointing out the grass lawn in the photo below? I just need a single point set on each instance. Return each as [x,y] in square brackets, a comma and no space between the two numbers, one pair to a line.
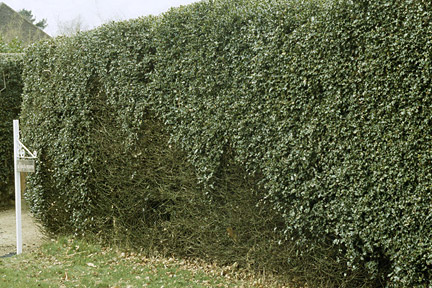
[75,263]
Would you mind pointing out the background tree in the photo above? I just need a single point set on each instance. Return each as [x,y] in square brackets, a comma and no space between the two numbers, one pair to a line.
[27,14]
[71,27]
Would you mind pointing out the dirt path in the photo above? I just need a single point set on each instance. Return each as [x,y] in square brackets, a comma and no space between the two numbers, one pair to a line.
[32,236]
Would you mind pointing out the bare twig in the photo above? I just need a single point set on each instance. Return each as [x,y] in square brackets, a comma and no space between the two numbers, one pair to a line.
[4,83]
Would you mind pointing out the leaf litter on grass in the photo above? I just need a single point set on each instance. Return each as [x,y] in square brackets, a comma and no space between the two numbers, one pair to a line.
[76,263]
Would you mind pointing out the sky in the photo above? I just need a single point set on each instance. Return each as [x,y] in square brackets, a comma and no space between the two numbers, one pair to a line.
[92,13]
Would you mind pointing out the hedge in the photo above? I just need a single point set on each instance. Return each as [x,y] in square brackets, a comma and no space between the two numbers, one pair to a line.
[10,104]
[324,105]
[108,168]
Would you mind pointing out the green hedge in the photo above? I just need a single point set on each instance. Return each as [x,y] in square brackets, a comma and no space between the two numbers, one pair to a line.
[107,166]
[70,108]
[10,104]
[324,104]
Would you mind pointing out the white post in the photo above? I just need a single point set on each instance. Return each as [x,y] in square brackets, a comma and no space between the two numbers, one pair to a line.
[17,186]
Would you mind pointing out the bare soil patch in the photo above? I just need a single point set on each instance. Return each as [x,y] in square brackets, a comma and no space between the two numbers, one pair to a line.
[31,232]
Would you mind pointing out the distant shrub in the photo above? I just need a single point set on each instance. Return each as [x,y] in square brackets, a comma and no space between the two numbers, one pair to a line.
[12,46]
[10,104]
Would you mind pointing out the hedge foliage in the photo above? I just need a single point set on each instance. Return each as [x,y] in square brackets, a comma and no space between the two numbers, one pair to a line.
[15,45]
[10,105]
[324,104]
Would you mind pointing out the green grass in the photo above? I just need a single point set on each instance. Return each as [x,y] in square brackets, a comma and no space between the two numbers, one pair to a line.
[75,263]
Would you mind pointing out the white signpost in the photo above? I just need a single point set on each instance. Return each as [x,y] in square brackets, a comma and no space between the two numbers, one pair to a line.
[22,163]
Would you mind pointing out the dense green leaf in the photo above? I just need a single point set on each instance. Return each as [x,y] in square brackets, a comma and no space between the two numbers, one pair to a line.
[326,103]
